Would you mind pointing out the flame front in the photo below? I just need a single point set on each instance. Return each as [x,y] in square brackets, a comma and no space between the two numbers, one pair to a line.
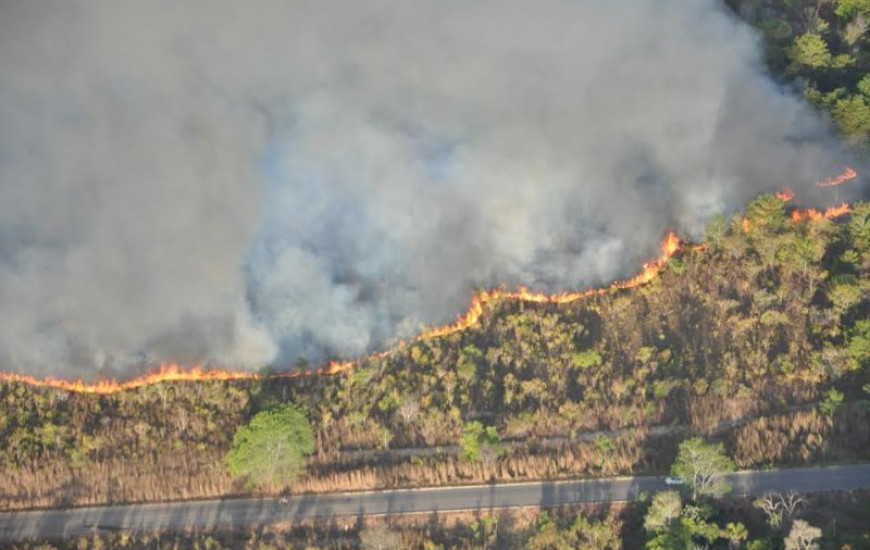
[173,373]
[811,214]
[166,373]
[848,173]
[670,246]
[815,215]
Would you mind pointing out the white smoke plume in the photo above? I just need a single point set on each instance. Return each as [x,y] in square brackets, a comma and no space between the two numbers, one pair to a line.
[244,183]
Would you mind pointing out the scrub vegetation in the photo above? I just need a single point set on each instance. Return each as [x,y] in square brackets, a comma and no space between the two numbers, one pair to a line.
[757,340]
[751,349]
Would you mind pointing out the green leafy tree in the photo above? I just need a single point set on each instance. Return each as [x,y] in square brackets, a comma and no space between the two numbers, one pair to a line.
[832,401]
[686,533]
[703,465]
[811,50]
[864,86]
[766,212]
[852,115]
[466,367]
[671,539]
[586,359]
[479,443]
[695,519]
[859,226]
[691,527]
[606,448]
[663,511]
[858,339]
[735,533]
[801,253]
[716,229]
[272,447]
[847,9]
[844,295]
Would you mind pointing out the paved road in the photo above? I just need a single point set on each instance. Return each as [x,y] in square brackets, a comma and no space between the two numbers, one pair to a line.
[74,522]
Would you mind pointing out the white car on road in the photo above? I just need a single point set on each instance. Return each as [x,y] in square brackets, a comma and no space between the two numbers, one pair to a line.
[673,480]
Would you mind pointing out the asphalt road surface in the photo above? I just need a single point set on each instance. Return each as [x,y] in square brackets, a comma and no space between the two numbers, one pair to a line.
[213,513]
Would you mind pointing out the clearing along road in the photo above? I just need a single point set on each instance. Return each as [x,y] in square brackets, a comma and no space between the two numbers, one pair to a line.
[236,512]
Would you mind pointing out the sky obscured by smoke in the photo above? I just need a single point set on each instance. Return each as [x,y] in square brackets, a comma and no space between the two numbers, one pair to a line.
[243,183]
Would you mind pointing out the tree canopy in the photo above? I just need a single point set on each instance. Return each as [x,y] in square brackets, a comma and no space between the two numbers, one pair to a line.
[702,465]
[479,443]
[272,447]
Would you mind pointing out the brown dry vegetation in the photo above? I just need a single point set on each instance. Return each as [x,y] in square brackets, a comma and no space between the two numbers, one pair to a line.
[743,341]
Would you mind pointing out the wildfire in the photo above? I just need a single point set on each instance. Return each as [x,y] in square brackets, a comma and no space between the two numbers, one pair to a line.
[815,215]
[785,195]
[670,246]
[166,373]
[174,373]
[337,367]
[848,173]
[798,215]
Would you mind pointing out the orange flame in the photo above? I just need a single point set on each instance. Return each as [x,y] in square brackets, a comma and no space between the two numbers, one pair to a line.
[797,215]
[670,246]
[166,373]
[814,215]
[785,195]
[173,373]
[848,173]
[838,211]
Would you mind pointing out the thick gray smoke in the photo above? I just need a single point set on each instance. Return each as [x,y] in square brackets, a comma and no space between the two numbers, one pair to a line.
[247,182]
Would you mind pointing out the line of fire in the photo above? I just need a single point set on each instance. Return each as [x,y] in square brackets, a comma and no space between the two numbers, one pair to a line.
[670,246]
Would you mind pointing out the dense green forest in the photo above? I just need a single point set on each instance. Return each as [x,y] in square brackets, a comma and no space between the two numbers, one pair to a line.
[820,48]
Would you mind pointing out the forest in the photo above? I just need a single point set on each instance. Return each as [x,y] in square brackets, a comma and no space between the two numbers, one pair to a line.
[820,48]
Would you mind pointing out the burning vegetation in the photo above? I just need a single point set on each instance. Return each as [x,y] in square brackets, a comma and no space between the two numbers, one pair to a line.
[175,373]
[848,174]
[670,246]
[755,340]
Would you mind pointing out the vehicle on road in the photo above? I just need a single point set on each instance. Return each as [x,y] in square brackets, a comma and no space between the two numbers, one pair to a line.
[672,481]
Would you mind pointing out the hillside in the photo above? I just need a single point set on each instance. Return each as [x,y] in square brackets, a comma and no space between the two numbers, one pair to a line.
[822,46]
[758,338]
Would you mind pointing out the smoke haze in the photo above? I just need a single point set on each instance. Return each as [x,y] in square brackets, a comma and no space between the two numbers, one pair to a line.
[243,183]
